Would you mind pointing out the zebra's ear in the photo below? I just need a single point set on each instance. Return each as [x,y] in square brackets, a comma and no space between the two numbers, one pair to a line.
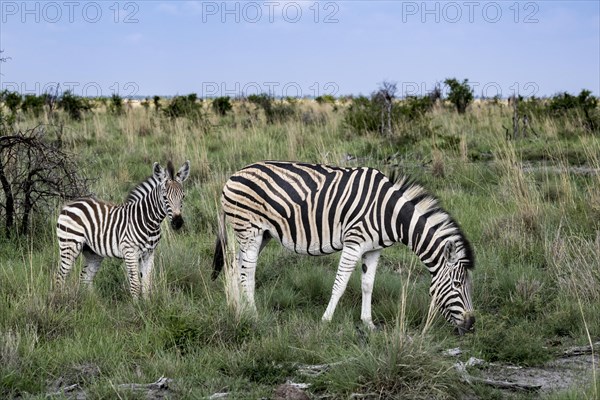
[450,252]
[158,172]
[183,172]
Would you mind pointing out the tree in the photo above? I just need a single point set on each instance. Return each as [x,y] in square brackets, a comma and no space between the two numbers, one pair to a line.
[34,172]
[275,111]
[221,105]
[33,104]
[12,100]
[184,106]
[74,105]
[116,104]
[385,97]
[461,94]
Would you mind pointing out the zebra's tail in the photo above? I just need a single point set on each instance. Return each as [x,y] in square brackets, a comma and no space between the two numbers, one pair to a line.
[221,243]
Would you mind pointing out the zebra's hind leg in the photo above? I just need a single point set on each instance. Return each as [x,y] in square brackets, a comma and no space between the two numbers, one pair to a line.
[69,251]
[347,263]
[90,267]
[369,268]
[247,258]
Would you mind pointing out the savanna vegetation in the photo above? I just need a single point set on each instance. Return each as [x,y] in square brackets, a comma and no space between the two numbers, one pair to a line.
[530,204]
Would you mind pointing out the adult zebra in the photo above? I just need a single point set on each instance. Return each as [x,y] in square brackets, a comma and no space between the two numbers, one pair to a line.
[318,209]
[130,231]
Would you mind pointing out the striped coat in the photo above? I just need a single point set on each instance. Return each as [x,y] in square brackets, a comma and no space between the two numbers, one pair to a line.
[317,209]
[130,231]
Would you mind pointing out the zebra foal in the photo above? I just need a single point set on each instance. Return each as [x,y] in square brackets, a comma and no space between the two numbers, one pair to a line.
[317,209]
[130,231]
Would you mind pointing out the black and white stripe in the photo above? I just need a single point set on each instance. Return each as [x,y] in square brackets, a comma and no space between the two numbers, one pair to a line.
[130,231]
[318,209]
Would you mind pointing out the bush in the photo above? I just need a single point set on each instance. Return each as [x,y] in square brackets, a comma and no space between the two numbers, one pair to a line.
[156,102]
[221,105]
[461,94]
[415,107]
[274,111]
[33,104]
[325,99]
[582,109]
[184,106]
[565,104]
[116,104]
[365,114]
[74,105]
[12,100]
[146,104]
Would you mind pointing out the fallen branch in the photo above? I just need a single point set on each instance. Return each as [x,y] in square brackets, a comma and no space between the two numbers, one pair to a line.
[318,369]
[63,391]
[507,385]
[581,350]
[462,369]
[161,384]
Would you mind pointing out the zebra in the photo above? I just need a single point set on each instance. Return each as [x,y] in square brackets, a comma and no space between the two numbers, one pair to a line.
[317,209]
[130,231]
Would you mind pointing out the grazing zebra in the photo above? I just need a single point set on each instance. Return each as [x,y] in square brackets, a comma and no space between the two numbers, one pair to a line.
[318,209]
[130,231]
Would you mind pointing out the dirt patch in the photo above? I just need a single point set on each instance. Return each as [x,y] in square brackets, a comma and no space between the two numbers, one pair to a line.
[570,370]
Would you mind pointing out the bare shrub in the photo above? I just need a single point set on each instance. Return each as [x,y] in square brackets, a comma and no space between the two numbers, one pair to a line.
[34,173]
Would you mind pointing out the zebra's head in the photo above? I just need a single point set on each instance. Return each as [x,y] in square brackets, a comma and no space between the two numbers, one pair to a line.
[451,286]
[172,190]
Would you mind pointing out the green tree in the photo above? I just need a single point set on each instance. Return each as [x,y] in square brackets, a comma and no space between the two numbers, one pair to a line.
[275,111]
[74,105]
[116,104]
[33,104]
[156,102]
[184,106]
[221,105]
[12,101]
[461,94]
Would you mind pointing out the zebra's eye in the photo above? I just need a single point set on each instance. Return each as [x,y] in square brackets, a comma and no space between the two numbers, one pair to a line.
[457,284]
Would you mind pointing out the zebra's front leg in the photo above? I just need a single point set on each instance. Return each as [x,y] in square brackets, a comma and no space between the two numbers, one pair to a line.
[347,264]
[146,265]
[132,261]
[369,268]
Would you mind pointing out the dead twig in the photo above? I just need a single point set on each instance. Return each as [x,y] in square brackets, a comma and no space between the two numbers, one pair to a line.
[161,383]
[581,350]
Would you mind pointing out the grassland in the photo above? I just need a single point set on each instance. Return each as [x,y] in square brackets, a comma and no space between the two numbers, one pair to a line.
[533,219]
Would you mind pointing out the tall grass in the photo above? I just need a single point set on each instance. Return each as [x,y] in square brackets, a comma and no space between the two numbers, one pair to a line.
[532,218]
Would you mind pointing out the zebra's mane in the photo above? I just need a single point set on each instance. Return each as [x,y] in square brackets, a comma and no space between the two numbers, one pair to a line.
[142,189]
[425,203]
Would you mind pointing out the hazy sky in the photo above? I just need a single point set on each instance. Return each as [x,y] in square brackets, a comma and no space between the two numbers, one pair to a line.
[306,48]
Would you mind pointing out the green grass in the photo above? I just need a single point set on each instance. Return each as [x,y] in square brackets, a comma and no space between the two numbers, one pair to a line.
[536,283]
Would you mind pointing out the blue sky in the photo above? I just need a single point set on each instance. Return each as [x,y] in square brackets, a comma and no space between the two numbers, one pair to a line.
[306,48]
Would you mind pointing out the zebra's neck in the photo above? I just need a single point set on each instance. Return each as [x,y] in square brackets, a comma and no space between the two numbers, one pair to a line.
[422,225]
[147,202]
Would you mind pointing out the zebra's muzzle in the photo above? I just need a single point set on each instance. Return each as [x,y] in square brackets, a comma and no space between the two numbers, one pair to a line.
[177,221]
[468,325]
